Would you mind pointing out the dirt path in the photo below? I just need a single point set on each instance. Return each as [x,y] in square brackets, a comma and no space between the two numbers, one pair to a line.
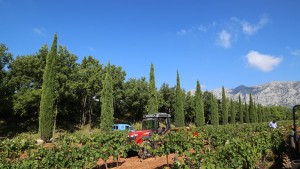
[137,163]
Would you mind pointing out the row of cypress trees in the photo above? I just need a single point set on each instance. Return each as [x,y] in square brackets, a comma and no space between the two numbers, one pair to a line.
[47,114]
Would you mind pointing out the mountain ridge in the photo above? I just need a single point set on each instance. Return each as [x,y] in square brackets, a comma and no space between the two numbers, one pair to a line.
[284,93]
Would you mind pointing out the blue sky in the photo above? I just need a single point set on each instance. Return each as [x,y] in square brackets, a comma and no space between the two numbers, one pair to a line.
[220,43]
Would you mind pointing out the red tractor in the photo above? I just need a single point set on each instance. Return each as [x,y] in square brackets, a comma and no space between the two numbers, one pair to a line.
[158,123]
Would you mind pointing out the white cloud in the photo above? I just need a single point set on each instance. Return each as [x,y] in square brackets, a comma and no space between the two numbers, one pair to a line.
[40,31]
[196,29]
[224,39]
[203,28]
[296,52]
[262,62]
[251,29]
[182,32]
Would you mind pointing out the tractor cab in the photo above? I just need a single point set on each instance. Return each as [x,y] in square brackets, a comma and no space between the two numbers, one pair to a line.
[158,123]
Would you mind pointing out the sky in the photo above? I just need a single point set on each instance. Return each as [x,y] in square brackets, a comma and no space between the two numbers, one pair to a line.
[220,43]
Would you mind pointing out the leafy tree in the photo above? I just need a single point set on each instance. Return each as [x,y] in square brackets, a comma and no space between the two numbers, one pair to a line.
[5,92]
[240,109]
[189,107]
[179,109]
[66,67]
[25,81]
[224,107]
[214,111]
[107,99]
[166,99]
[48,95]
[136,98]
[87,85]
[199,106]
[23,87]
[5,59]
[252,113]
[152,106]
[232,111]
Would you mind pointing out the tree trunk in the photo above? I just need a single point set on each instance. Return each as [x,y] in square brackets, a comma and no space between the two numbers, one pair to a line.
[83,118]
[90,116]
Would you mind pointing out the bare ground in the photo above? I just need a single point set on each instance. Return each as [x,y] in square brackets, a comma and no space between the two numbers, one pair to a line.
[137,163]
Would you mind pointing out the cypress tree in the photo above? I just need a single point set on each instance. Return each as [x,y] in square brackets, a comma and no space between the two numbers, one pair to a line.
[259,113]
[199,106]
[152,106]
[46,115]
[179,109]
[224,107]
[107,99]
[241,113]
[233,112]
[255,111]
[247,120]
[214,111]
[252,114]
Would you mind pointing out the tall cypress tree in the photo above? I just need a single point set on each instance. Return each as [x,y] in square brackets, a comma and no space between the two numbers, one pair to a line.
[259,114]
[241,113]
[247,119]
[46,115]
[214,111]
[199,106]
[252,114]
[107,100]
[232,111]
[179,109]
[152,106]
[224,107]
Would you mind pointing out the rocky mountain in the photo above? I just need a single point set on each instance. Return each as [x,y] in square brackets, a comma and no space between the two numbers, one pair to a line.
[272,93]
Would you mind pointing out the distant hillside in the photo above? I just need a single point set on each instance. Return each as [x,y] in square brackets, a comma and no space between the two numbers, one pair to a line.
[273,93]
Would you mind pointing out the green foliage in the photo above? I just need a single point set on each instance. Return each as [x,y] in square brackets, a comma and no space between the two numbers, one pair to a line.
[118,77]
[179,109]
[224,107]
[252,112]
[5,89]
[166,99]
[152,106]
[87,85]
[246,110]
[223,146]
[232,111]
[214,111]
[240,109]
[107,99]
[189,107]
[136,98]
[69,151]
[199,106]
[48,94]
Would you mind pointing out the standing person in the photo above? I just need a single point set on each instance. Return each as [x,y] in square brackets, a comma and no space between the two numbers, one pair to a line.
[273,124]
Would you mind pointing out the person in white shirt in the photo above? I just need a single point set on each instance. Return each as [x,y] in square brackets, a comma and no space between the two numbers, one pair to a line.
[273,124]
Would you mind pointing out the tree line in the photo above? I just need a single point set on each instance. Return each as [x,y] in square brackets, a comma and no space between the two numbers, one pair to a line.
[91,92]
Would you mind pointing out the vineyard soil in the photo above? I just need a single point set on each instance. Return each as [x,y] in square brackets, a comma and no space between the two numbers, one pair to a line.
[135,162]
